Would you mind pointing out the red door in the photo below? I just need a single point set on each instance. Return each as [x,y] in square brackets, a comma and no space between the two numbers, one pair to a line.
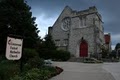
[83,49]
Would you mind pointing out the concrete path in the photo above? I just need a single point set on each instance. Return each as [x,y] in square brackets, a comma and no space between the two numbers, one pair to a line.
[113,68]
[81,71]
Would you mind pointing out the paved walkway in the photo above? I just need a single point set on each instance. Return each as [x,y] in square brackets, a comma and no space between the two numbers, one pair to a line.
[113,68]
[81,71]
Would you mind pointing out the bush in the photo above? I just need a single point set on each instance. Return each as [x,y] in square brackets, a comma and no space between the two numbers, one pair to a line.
[62,55]
[33,74]
[47,53]
[8,69]
[36,74]
[29,53]
[52,70]
[59,55]
[43,73]
[92,60]
[2,57]
[39,74]
[35,62]
[16,77]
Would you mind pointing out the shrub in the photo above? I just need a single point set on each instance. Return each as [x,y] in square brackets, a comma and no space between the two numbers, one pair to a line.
[62,55]
[29,53]
[35,62]
[46,53]
[52,70]
[54,54]
[33,74]
[36,74]
[43,73]
[92,60]
[2,57]
[16,77]
[8,69]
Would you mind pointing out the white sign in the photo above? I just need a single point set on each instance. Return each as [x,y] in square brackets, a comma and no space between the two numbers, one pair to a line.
[14,48]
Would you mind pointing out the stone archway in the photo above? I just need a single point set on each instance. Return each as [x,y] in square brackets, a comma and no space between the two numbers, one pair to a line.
[83,49]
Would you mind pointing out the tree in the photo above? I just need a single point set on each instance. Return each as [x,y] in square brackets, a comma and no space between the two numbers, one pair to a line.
[16,18]
[113,54]
[105,52]
[117,46]
[49,42]
[48,50]
[47,47]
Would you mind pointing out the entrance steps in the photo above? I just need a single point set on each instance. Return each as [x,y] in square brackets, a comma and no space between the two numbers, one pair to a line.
[85,60]
[74,59]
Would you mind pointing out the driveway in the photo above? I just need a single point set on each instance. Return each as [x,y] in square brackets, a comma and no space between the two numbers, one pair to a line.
[113,68]
[81,71]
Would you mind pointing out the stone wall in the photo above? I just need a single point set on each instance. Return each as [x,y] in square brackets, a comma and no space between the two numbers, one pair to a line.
[75,40]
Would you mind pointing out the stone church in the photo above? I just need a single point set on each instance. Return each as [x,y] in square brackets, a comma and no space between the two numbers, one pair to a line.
[79,32]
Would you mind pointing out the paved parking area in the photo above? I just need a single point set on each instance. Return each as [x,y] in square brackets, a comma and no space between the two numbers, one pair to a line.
[81,71]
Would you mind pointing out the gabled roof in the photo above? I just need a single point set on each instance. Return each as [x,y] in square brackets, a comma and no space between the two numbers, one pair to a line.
[66,8]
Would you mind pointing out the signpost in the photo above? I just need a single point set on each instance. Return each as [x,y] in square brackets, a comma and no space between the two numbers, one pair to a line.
[14,48]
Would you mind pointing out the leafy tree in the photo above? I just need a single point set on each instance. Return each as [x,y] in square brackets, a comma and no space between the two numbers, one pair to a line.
[113,54]
[48,50]
[16,18]
[117,46]
[105,52]
[49,43]
[47,47]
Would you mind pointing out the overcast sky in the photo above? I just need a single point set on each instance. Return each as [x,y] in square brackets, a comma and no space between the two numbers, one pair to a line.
[47,11]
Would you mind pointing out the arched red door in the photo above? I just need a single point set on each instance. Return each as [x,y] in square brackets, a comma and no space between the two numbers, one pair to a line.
[83,49]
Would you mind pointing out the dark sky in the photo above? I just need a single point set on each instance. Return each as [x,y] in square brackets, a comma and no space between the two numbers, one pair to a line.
[47,11]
